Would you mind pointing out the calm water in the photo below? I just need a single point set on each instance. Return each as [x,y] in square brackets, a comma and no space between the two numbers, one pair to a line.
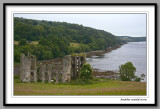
[134,52]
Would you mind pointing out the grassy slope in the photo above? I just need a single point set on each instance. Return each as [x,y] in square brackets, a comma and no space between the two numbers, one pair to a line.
[98,87]
[33,42]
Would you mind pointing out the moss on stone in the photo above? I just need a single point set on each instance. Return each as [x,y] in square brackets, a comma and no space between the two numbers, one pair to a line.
[78,54]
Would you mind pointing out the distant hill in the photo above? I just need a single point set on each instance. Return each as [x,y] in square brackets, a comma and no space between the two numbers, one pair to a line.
[132,39]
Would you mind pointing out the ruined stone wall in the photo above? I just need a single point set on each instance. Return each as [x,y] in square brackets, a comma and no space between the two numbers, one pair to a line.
[58,70]
[41,75]
[28,70]
[48,72]
[66,75]
[77,63]
[33,75]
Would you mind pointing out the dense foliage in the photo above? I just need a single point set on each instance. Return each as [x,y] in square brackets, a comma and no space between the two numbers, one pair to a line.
[22,42]
[127,71]
[86,72]
[55,38]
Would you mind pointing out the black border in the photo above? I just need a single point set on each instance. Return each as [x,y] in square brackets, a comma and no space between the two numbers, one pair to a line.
[68,4]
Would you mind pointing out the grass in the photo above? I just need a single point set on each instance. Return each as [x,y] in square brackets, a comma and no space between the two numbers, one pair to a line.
[76,45]
[79,54]
[16,42]
[95,87]
[32,42]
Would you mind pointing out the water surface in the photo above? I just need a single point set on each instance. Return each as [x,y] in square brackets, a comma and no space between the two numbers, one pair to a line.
[134,52]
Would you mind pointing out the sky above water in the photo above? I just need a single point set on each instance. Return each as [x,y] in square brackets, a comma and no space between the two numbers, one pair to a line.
[118,24]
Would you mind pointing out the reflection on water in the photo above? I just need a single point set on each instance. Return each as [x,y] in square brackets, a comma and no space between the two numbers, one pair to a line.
[98,56]
[134,52]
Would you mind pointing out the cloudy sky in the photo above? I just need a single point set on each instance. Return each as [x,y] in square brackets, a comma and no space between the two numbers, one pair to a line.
[118,24]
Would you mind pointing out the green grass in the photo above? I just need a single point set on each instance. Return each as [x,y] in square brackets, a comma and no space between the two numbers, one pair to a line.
[94,87]
[32,42]
[78,54]
[74,45]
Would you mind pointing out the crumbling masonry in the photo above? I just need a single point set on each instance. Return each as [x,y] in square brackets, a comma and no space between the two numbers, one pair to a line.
[28,69]
[63,71]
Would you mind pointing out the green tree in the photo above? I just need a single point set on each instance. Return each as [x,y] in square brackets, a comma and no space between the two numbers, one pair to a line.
[16,55]
[127,71]
[86,72]
[44,42]
[56,52]
[55,38]
[48,55]
[23,42]
[39,52]
[138,79]
[100,43]
[26,49]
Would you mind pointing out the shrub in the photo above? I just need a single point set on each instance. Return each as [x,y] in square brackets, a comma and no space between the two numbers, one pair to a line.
[127,72]
[86,72]
[138,79]
[22,42]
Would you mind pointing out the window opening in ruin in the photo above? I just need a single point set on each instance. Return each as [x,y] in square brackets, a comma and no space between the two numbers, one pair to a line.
[32,76]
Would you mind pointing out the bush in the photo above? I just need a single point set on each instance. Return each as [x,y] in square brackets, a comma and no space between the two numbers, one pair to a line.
[86,72]
[48,55]
[16,55]
[22,42]
[138,79]
[127,72]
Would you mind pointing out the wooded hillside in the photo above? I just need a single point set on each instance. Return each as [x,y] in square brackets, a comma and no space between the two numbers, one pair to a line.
[57,39]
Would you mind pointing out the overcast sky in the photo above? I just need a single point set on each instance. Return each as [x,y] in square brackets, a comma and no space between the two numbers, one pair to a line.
[118,24]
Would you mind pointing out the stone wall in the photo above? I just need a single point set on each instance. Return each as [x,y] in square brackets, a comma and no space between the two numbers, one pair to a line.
[66,75]
[33,75]
[77,62]
[28,70]
[51,72]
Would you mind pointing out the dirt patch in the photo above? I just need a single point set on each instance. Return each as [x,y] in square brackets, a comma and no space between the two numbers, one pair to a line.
[105,74]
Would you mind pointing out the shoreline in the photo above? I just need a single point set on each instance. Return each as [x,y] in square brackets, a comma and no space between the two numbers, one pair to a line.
[105,74]
[108,74]
[98,52]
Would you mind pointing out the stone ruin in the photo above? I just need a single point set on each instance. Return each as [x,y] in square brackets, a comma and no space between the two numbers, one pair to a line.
[57,72]
[28,69]
[76,64]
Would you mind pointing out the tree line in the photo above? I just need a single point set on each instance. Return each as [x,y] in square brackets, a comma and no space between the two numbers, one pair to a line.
[55,38]
[132,39]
